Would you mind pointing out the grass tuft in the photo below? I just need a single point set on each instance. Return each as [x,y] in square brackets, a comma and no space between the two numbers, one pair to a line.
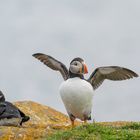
[99,132]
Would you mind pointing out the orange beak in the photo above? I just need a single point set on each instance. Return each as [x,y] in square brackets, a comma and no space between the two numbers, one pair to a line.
[85,69]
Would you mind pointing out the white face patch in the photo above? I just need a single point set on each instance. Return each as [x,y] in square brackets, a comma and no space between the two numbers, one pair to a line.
[75,67]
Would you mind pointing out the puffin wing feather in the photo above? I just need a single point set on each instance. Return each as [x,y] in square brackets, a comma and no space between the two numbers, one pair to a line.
[2,107]
[114,73]
[53,64]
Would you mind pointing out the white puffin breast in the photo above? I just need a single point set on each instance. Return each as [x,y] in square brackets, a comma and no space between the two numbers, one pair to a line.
[77,97]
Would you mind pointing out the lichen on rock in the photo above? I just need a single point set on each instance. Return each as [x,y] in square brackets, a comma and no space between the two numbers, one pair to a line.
[43,120]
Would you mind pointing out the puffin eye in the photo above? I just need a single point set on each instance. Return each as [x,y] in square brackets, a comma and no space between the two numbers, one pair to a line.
[75,64]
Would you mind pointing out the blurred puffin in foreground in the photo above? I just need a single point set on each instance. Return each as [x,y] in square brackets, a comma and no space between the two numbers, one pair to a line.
[76,91]
[10,115]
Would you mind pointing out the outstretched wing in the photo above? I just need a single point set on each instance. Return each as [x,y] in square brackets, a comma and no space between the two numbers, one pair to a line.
[53,64]
[114,73]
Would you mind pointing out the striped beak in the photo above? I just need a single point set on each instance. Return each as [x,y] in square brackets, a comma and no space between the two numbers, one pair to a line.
[85,69]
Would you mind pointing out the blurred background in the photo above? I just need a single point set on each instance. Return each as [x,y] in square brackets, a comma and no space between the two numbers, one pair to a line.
[102,32]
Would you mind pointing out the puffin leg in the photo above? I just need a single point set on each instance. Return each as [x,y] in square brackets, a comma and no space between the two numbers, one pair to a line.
[86,118]
[72,118]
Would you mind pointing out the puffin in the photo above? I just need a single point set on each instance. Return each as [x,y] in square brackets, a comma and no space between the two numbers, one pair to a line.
[77,92]
[10,115]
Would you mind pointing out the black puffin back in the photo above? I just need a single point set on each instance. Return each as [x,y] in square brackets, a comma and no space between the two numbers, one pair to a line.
[9,111]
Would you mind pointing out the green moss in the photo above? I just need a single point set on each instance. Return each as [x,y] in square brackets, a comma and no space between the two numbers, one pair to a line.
[99,132]
[133,126]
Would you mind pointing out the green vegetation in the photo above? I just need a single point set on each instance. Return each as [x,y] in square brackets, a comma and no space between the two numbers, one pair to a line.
[99,132]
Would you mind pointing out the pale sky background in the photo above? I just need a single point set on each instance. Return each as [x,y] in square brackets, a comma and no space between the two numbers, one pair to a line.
[102,32]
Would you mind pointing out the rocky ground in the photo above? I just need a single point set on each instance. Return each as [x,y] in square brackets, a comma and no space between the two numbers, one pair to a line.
[45,121]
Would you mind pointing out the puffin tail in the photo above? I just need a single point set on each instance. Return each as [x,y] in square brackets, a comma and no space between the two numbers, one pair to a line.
[24,119]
